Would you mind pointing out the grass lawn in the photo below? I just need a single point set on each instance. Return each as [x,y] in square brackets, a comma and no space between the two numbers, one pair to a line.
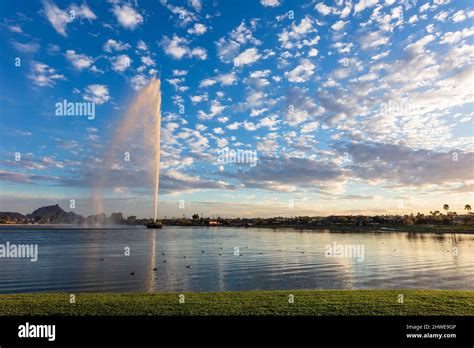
[311,302]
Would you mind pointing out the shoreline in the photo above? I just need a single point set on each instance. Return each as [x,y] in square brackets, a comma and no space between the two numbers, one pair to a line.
[374,302]
[381,229]
[330,228]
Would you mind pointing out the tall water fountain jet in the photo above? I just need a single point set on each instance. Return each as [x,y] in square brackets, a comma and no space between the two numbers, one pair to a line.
[157,116]
[144,114]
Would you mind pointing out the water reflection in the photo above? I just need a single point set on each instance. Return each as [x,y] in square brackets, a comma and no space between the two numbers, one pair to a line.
[150,284]
[202,259]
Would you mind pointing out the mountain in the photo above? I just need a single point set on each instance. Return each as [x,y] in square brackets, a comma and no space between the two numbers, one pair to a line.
[49,211]
[10,216]
[54,214]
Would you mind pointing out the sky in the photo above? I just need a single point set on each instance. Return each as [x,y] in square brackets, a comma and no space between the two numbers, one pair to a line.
[344,107]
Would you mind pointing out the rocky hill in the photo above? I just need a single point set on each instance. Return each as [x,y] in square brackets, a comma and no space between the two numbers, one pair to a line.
[54,214]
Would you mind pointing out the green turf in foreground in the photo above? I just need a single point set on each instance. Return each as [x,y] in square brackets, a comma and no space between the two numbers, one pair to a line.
[313,302]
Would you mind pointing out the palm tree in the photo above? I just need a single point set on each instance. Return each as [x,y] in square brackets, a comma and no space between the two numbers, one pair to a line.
[446,207]
[467,207]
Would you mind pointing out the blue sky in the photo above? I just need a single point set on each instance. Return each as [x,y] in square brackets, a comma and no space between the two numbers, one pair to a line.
[350,106]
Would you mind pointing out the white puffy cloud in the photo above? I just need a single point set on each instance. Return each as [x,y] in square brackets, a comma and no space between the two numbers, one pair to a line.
[424,7]
[177,84]
[227,50]
[127,16]
[30,47]
[267,146]
[462,15]
[216,109]
[121,63]
[139,81]
[218,130]
[207,83]
[199,53]
[368,77]
[441,16]
[338,25]
[363,4]
[177,47]
[112,45]
[199,98]
[141,45]
[380,55]
[302,72]
[250,126]
[177,72]
[324,9]
[459,16]
[198,29]
[309,127]
[270,3]
[243,34]
[79,61]
[82,11]
[298,34]
[259,78]
[269,122]
[233,126]
[44,76]
[98,94]
[346,11]
[455,37]
[374,39]
[249,56]
[413,19]
[196,4]
[227,79]
[257,112]
[185,16]
[59,19]
[296,117]
[147,60]
[229,47]
[419,46]
[260,73]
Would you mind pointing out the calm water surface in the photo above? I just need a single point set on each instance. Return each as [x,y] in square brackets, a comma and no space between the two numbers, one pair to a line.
[203,259]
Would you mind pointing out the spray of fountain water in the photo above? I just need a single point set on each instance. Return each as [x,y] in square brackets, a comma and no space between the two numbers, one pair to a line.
[144,115]
[157,117]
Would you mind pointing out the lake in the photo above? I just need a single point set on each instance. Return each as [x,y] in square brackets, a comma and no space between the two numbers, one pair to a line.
[187,259]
